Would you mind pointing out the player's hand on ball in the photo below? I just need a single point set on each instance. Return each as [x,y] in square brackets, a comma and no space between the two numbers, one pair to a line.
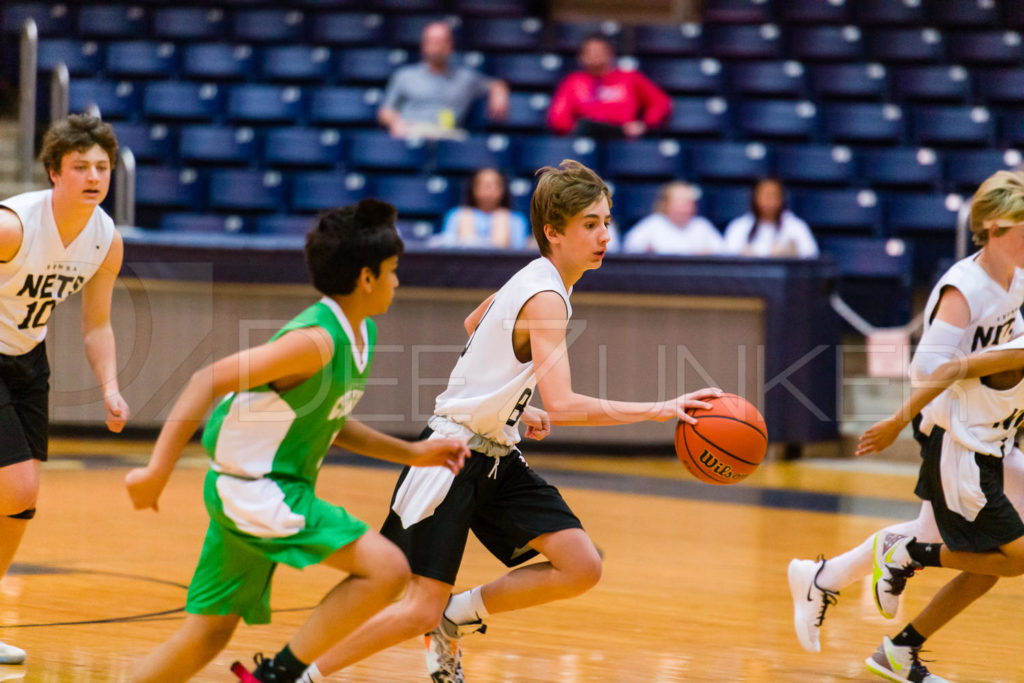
[440,453]
[693,401]
[144,487]
[117,411]
[880,436]
[538,424]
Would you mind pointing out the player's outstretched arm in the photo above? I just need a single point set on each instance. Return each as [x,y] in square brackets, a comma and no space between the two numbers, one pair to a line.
[880,435]
[284,363]
[359,438]
[545,317]
[98,335]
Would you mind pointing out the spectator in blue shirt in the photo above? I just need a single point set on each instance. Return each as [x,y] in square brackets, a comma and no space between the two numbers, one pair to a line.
[486,220]
[432,98]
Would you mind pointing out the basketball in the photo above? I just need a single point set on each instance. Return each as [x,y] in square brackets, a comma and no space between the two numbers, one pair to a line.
[728,442]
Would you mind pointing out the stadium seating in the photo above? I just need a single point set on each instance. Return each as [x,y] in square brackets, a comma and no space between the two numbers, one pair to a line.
[854,81]
[176,100]
[378,151]
[816,12]
[778,119]
[645,159]
[217,62]
[141,59]
[954,125]
[342,105]
[262,103]
[302,147]
[671,40]
[534,152]
[685,76]
[217,145]
[348,29]
[116,100]
[268,26]
[826,43]
[246,190]
[933,83]
[51,19]
[121,22]
[966,169]
[768,79]
[845,211]
[903,167]
[762,41]
[82,58]
[731,161]
[816,164]
[316,191]
[189,23]
[296,63]
[149,143]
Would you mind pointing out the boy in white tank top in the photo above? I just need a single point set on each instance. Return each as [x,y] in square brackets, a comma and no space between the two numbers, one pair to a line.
[517,346]
[975,305]
[53,243]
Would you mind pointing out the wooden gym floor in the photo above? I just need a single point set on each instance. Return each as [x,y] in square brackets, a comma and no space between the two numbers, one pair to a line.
[694,585]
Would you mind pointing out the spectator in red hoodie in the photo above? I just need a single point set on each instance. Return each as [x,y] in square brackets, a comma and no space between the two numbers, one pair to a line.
[605,101]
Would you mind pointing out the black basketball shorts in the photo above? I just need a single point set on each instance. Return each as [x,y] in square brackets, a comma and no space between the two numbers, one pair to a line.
[24,406]
[998,522]
[505,509]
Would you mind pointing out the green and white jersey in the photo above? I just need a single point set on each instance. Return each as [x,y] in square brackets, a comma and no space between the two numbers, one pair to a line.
[262,433]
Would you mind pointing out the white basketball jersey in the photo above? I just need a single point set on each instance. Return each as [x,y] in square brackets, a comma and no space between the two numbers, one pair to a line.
[490,387]
[982,419]
[43,273]
[995,312]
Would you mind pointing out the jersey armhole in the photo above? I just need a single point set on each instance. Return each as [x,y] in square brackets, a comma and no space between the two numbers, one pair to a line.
[942,293]
[512,333]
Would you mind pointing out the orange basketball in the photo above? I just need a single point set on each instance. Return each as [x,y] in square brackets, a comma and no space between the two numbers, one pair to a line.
[727,443]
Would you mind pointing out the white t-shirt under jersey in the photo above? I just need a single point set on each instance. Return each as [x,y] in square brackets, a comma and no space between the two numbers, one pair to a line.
[44,273]
[489,387]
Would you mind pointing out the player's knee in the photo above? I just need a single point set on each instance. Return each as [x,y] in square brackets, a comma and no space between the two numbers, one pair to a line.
[587,572]
[423,617]
[393,572]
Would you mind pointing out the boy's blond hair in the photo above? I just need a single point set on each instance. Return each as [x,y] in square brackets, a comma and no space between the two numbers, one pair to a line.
[1000,196]
[561,193]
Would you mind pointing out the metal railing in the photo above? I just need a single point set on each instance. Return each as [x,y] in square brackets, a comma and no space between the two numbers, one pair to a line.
[27,99]
[60,92]
[124,188]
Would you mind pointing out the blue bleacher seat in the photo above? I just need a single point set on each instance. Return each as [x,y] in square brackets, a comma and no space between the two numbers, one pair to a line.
[416,195]
[1013,13]
[568,36]
[826,43]
[398,6]
[416,232]
[731,161]
[669,40]
[512,35]
[477,151]
[954,125]
[347,28]
[491,8]
[188,23]
[533,152]
[816,11]
[246,190]
[527,112]
[737,11]
[116,100]
[149,143]
[529,70]
[863,122]
[262,103]
[986,48]
[213,144]
[778,119]
[181,101]
[722,204]
[906,45]
[369,64]
[961,13]
[296,63]
[117,22]
[698,117]
[816,164]
[82,58]
[377,150]
[319,190]
[344,105]
[633,201]
[165,187]
[406,30]
[141,59]
[217,61]
[52,19]
[1012,128]
[932,83]
[303,147]
[1002,85]
[875,276]
[276,224]
[966,169]
[855,81]
[211,223]
[762,41]
[910,212]
[268,25]
[685,76]
[645,159]
[841,210]
[768,79]
[891,13]
[902,167]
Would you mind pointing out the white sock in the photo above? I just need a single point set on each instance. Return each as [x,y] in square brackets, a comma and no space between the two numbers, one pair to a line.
[466,607]
[854,564]
[311,675]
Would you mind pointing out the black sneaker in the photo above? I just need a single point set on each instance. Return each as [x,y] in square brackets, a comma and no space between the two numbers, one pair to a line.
[265,672]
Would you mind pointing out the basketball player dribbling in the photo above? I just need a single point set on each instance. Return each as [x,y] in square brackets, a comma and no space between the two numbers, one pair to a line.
[975,305]
[53,243]
[517,344]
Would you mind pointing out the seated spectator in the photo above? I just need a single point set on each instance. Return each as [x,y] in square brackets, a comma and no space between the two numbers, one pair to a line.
[769,228]
[486,220]
[605,101]
[432,98]
[674,227]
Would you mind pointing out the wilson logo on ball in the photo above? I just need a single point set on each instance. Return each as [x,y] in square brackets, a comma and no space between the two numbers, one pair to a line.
[715,465]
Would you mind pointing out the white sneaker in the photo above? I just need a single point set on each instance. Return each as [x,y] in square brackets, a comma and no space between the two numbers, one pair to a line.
[893,567]
[11,655]
[809,601]
[901,663]
[444,656]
